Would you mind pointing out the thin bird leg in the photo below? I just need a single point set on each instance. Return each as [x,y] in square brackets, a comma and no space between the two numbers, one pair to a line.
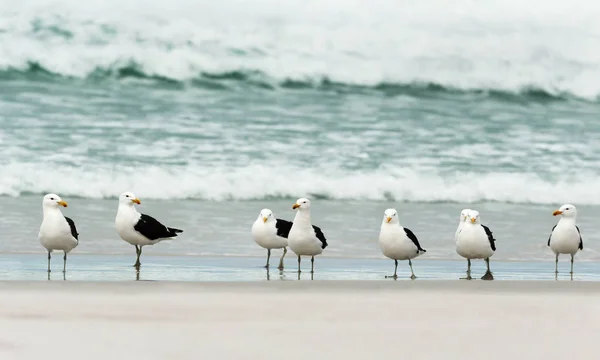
[412,273]
[49,261]
[488,274]
[137,254]
[468,271]
[140,254]
[65,263]
[556,265]
[312,264]
[395,271]
[280,267]
[299,271]
[268,257]
[572,259]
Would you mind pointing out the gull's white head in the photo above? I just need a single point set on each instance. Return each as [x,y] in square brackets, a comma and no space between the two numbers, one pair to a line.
[567,210]
[302,204]
[390,216]
[53,201]
[265,215]
[464,215]
[474,217]
[128,198]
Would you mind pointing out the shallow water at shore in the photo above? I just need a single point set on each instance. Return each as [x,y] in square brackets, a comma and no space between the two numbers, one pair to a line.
[26,267]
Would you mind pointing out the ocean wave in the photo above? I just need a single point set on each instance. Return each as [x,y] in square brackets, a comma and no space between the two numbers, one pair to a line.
[245,79]
[419,48]
[258,182]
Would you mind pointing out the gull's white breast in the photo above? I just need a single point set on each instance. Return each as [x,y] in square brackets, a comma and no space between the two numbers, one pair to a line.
[302,240]
[55,232]
[125,221]
[265,235]
[565,238]
[395,244]
[472,242]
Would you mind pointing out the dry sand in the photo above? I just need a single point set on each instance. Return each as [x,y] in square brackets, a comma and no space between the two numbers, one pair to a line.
[299,320]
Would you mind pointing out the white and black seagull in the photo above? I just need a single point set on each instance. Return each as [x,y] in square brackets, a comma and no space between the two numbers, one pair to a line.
[271,233]
[57,231]
[397,242]
[565,237]
[139,229]
[305,239]
[475,241]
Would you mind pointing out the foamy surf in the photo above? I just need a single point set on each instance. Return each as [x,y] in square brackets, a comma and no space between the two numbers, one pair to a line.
[500,45]
[273,182]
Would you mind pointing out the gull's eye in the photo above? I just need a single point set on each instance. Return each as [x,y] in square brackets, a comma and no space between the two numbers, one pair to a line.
[51,198]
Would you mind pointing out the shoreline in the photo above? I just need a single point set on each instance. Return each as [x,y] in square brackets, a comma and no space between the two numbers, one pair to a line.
[116,268]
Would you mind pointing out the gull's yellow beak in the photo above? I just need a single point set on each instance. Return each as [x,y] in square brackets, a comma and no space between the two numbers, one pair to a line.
[557,212]
[63,203]
[295,206]
[265,219]
[389,219]
[473,220]
[136,200]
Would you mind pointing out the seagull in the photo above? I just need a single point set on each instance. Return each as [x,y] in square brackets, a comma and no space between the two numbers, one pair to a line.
[305,238]
[464,214]
[397,242]
[565,237]
[139,229]
[271,233]
[57,231]
[475,241]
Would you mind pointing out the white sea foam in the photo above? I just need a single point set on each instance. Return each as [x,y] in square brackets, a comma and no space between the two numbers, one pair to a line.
[498,44]
[259,182]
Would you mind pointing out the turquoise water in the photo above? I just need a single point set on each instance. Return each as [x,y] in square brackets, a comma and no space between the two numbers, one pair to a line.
[212,111]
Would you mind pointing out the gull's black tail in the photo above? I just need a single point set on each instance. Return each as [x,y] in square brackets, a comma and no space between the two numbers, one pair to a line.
[174,232]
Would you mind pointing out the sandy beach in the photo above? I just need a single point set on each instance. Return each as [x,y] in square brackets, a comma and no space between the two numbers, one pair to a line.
[299,320]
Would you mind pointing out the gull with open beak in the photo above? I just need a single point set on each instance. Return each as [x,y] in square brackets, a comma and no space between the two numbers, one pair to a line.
[398,242]
[565,237]
[139,229]
[57,231]
[271,233]
[304,238]
[475,241]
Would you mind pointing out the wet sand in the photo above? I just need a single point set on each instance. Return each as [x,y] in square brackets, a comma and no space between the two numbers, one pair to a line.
[433,319]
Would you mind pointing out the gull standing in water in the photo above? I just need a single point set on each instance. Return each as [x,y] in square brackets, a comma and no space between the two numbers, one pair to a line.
[397,242]
[475,241]
[139,229]
[57,231]
[565,237]
[304,238]
[271,233]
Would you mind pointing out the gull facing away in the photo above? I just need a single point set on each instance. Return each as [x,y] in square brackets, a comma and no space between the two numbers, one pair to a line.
[57,231]
[139,229]
[271,233]
[304,238]
[475,241]
[464,214]
[565,237]
[397,242]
